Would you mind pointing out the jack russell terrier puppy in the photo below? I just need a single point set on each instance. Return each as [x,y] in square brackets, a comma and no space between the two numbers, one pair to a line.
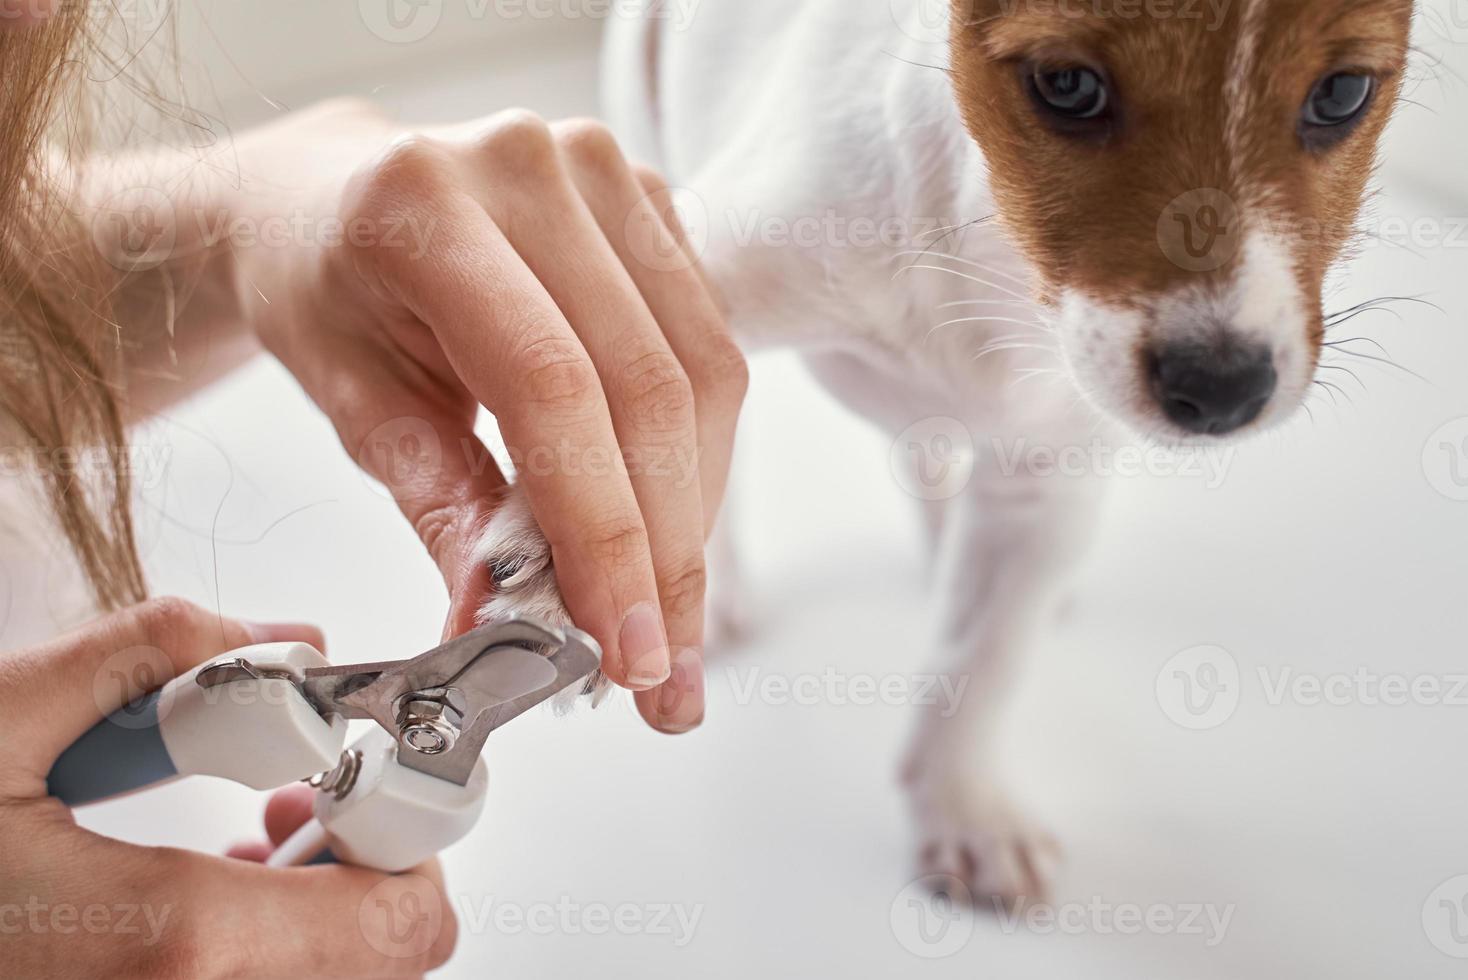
[1170,184]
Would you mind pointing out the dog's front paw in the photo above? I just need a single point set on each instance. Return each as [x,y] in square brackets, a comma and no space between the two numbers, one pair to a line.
[519,561]
[977,836]
[523,577]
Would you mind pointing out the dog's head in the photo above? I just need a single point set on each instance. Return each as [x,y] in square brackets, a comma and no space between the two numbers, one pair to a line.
[1181,174]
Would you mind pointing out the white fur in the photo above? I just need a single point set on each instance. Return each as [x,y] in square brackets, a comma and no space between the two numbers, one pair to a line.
[1261,302]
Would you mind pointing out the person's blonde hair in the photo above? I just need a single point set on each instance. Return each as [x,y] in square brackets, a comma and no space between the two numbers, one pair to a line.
[60,345]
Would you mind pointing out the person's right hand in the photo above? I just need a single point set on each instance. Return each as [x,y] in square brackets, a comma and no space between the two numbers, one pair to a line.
[76,904]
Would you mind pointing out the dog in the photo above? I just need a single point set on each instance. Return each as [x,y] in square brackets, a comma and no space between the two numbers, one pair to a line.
[1107,212]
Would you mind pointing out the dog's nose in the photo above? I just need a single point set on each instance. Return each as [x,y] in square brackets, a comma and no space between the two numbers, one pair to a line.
[1212,389]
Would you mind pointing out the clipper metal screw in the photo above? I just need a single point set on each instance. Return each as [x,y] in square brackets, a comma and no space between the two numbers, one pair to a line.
[428,723]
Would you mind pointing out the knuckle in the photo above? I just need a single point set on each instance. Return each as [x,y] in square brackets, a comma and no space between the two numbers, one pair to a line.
[723,370]
[656,393]
[520,144]
[434,528]
[408,170]
[590,144]
[619,541]
[407,178]
[682,591]
[558,377]
[169,621]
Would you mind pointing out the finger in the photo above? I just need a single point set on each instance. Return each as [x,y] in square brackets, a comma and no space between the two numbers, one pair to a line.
[287,810]
[420,445]
[637,217]
[324,921]
[55,692]
[677,705]
[513,349]
[648,392]
[258,851]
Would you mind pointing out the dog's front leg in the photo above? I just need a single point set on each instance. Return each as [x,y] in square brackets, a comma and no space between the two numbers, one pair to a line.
[1005,543]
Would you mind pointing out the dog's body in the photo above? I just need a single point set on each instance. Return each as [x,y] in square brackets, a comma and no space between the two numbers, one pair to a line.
[893,164]
[839,196]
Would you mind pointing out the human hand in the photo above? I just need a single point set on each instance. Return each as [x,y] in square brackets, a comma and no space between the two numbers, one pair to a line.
[74,903]
[505,264]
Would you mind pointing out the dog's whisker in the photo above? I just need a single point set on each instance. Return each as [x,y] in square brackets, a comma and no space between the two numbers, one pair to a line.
[1381,360]
[984,302]
[1340,316]
[998,348]
[1332,389]
[982,319]
[1338,344]
[1366,233]
[950,230]
[1029,374]
[1331,324]
[1340,367]
[961,275]
[1018,280]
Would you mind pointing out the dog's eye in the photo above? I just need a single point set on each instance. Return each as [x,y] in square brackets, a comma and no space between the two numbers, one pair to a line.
[1074,92]
[1070,93]
[1338,99]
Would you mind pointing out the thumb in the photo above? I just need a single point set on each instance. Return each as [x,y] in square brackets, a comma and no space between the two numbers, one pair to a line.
[51,694]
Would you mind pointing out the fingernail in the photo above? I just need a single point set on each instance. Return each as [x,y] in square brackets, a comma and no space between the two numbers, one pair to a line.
[644,646]
[680,700]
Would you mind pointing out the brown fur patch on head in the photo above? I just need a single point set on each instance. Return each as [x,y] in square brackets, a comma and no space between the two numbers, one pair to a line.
[1207,96]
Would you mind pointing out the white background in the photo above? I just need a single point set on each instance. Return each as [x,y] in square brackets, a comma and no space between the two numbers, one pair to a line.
[1328,548]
